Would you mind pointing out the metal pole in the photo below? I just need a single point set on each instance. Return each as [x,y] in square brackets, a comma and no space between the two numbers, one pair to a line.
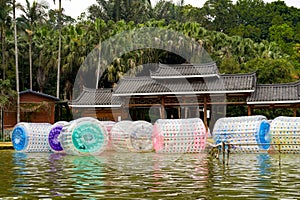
[228,152]
[279,149]
[223,152]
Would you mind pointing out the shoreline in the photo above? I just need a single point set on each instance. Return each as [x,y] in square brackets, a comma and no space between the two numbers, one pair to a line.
[6,145]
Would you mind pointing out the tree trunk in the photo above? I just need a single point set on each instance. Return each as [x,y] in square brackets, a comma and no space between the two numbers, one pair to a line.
[30,60]
[59,50]
[16,60]
[3,50]
[99,65]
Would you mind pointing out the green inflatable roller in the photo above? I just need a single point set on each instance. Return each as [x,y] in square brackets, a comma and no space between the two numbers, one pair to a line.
[84,136]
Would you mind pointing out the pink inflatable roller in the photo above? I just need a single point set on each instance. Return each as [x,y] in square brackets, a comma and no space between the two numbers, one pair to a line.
[179,135]
[108,126]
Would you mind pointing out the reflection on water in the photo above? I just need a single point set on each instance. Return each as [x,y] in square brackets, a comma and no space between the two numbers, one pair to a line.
[148,176]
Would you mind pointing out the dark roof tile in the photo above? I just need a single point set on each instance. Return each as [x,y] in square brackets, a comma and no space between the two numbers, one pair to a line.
[96,97]
[39,94]
[275,93]
[222,84]
[185,70]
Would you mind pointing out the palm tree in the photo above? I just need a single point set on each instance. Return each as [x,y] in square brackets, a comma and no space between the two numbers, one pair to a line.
[16,60]
[45,60]
[74,54]
[4,25]
[115,10]
[59,47]
[33,14]
[6,94]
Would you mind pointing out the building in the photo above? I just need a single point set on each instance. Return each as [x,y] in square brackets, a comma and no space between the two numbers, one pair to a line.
[184,91]
[34,107]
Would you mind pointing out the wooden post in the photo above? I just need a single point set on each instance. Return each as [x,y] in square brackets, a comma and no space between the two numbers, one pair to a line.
[162,108]
[186,109]
[2,124]
[249,110]
[294,112]
[205,113]
[228,152]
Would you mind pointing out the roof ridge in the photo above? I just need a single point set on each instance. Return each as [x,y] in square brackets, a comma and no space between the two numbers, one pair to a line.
[296,83]
[94,89]
[40,93]
[242,74]
[136,78]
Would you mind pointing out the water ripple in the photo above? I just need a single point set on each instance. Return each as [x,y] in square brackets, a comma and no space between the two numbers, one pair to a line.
[148,176]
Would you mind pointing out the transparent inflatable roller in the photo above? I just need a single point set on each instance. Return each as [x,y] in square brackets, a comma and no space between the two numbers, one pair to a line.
[54,135]
[179,135]
[108,126]
[31,137]
[285,134]
[128,136]
[141,136]
[120,137]
[84,136]
[248,134]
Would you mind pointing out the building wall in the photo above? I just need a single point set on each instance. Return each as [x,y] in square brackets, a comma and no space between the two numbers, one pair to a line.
[102,114]
[33,108]
[10,118]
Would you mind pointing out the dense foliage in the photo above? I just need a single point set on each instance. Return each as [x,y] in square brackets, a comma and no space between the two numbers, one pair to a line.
[247,36]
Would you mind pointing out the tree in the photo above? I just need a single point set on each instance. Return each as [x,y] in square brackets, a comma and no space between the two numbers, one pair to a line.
[220,15]
[115,10]
[59,47]
[5,21]
[165,10]
[6,92]
[33,14]
[283,35]
[6,95]
[45,59]
[270,71]
[74,54]
[16,60]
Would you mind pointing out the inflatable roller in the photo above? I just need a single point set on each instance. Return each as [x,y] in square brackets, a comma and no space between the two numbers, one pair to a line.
[249,134]
[141,136]
[31,137]
[108,126]
[285,134]
[54,135]
[120,137]
[179,135]
[84,136]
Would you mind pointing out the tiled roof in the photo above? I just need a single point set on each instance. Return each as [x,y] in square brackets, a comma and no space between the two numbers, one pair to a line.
[222,84]
[96,98]
[185,70]
[275,93]
[39,94]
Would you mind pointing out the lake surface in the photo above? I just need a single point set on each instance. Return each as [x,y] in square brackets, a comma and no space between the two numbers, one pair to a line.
[148,176]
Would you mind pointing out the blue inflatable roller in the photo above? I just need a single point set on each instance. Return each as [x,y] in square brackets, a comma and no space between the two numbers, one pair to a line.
[249,134]
[31,137]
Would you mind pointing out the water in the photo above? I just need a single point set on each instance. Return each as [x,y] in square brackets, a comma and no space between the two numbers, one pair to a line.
[148,176]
